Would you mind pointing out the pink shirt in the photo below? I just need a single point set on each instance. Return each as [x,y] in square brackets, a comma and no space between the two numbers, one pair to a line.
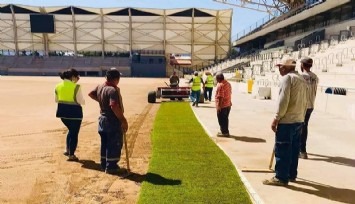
[224,93]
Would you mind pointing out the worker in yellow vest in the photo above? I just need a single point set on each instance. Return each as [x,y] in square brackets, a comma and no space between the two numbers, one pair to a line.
[69,97]
[196,88]
[209,84]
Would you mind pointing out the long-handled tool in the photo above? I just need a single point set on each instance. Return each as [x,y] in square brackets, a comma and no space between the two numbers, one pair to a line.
[270,170]
[128,173]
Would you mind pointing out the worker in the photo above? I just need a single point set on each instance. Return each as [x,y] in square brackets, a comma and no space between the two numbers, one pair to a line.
[208,86]
[69,97]
[112,122]
[196,81]
[174,80]
[223,101]
[312,82]
[288,123]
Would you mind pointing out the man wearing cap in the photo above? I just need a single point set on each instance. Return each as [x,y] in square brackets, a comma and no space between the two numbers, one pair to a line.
[312,82]
[196,88]
[112,122]
[288,123]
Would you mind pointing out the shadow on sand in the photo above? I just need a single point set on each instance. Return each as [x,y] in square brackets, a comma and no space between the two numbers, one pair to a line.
[336,160]
[325,191]
[153,178]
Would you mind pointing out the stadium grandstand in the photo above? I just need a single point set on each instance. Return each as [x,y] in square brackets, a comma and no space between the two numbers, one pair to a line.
[139,42]
[322,30]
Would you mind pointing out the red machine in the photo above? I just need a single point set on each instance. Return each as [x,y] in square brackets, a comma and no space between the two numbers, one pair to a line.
[172,92]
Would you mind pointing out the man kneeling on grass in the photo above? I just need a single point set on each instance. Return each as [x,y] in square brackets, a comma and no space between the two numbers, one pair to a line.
[288,123]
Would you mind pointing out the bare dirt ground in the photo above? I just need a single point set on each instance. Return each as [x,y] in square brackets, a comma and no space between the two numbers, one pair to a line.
[32,166]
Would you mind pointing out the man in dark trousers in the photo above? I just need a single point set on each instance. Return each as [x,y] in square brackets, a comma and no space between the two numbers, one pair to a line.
[223,104]
[312,82]
[112,122]
[288,123]
[196,81]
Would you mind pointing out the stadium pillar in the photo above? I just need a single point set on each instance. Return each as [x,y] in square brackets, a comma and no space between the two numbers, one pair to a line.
[15,29]
[230,32]
[130,30]
[74,32]
[193,37]
[216,38]
[45,36]
[45,43]
[164,25]
[102,33]
[164,42]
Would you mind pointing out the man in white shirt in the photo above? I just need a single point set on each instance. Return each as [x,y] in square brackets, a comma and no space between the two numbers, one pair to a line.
[288,123]
[312,82]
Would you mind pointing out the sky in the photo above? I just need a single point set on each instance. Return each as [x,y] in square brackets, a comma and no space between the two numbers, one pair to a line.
[242,18]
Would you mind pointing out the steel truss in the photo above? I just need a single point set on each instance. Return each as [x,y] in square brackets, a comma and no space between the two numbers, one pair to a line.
[268,6]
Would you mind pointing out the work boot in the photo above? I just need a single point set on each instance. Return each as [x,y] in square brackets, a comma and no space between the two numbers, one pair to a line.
[303,155]
[113,171]
[219,134]
[72,158]
[274,182]
[66,152]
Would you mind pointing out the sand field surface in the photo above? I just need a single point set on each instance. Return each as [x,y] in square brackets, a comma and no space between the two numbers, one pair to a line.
[33,168]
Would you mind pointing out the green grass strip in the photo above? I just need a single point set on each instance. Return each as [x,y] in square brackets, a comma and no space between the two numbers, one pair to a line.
[186,165]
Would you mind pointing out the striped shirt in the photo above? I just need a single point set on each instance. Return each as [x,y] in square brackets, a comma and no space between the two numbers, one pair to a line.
[223,94]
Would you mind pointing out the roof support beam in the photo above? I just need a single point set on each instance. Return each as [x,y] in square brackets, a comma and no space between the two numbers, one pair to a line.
[15,29]
[102,33]
[74,32]
[216,39]
[45,36]
[193,37]
[261,5]
[164,27]
[130,30]
[230,36]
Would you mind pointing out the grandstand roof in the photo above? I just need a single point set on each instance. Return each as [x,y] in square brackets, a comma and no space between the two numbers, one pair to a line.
[204,33]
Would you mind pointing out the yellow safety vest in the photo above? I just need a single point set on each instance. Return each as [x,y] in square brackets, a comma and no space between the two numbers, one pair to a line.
[196,83]
[68,107]
[209,81]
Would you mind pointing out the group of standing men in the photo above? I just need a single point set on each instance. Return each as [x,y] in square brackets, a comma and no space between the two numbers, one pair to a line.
[294,107]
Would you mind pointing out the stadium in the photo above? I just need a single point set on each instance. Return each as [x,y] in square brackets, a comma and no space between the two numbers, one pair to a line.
[92,40]
[173,152]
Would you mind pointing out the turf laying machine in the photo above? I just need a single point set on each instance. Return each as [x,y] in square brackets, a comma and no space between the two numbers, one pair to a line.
[172,92]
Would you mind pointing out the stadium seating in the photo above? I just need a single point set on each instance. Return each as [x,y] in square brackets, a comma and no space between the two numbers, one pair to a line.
[30,65]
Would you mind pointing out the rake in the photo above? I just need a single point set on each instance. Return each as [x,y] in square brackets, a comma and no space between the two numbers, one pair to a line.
[269,170]
[128,171]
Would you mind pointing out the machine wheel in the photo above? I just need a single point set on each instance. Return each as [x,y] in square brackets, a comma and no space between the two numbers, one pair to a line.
[152,96]
[180,99]
[172,99]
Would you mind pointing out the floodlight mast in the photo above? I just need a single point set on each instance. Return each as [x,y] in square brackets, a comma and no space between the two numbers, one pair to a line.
[268,6]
